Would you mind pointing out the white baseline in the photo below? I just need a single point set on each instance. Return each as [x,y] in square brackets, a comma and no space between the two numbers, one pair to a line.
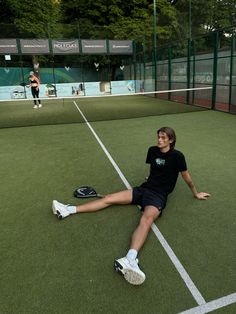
[212,305]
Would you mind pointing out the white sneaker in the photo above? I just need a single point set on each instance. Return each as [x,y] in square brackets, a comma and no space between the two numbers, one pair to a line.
[130,270]
[35,107]
[40,105]
[60,210]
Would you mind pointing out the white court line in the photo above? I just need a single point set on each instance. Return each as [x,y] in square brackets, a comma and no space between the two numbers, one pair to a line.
[184,275]
[123,178]
[212,305]
[180,268]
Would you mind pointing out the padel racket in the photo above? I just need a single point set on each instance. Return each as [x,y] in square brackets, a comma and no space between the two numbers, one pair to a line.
[86,192]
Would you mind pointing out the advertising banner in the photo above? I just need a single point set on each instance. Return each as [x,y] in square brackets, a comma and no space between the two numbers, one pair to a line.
[66,46]
[120,47]
[125,87]
[94,46]
[8,46]
[34,46]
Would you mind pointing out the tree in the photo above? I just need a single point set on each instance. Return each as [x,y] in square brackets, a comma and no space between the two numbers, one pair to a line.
[32,18]
[118,19]
[121,19]
[205,16]
[222,15]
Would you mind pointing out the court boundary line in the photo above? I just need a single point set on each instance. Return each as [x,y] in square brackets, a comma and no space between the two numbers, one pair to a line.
[179,267]
[212,305]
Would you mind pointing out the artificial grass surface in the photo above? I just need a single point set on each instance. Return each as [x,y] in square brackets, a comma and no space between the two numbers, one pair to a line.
[63,267]
[51,266]
[62,111]
[53,111]
[206,230]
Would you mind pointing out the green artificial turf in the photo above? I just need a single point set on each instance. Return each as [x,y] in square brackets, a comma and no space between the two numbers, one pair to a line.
[51,266]
[62,111]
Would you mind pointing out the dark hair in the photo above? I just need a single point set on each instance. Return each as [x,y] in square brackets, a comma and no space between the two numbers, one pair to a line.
[170,133]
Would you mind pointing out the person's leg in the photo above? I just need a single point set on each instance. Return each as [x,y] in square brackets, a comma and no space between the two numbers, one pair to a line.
[122,198]
[34,96]
[128,265]
[118,198]
[140,234]
[37,96]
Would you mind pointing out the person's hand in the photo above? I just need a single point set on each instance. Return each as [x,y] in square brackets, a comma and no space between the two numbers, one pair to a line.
[202,196]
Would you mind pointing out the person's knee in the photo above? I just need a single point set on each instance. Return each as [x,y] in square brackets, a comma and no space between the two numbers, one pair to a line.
[149,216]
[122,197]
[147,221]
[108,199]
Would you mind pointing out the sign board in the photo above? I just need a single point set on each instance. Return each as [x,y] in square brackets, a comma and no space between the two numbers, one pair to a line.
[65,46]
[94,46]
[120,47]
[34,46]
[8,46]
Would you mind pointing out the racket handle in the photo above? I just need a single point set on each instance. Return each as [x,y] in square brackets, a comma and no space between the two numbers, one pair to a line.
[100,195]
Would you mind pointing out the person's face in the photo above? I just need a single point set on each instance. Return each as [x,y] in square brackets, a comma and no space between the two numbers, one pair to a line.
[163,141]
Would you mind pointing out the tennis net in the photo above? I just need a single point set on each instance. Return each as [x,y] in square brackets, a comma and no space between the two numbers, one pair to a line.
[63,110]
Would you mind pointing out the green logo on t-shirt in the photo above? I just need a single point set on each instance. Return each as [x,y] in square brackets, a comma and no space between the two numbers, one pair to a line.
[160,162]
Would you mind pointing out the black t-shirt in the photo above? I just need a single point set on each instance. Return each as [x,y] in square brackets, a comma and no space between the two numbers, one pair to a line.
[164,169]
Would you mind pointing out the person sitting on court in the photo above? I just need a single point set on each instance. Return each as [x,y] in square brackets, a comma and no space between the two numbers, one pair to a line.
[34,84]
[165,164]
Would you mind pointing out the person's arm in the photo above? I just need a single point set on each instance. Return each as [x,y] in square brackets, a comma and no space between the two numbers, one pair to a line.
[38,82]
[199,195]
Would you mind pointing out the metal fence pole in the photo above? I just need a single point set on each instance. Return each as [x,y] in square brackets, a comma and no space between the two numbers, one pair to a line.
[144,67]
[194,71]
[215,64]
[155,43]
[231,69]
[188,68]
[169,70]
[135,64]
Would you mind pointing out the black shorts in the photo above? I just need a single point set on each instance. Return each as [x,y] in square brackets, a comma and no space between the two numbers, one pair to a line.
[144,197]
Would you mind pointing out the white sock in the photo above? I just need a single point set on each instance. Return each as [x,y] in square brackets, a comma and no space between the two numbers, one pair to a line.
[132,254]
[72,209]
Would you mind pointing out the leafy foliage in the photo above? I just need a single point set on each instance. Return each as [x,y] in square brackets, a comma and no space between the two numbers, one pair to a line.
[32,18]
[117,19]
